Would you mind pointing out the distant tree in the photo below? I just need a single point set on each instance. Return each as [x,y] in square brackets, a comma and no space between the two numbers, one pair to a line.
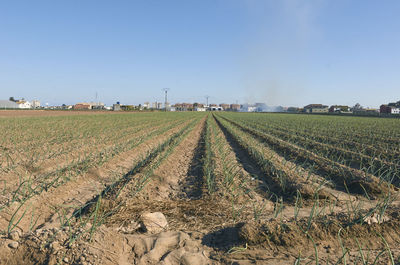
[12,99]
[293,109]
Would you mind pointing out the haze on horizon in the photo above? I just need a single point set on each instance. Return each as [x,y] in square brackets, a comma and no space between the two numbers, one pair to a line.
[289,52]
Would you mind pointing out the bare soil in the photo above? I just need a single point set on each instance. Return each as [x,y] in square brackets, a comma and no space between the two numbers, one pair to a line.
[239,223]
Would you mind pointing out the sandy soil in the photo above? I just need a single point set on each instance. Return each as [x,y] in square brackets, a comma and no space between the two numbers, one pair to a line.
[239,223]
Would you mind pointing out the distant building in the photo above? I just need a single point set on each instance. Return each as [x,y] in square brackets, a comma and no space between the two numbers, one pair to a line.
[235,107]
[35,104]
[127,107]
[390,109]
[316,108]
[184,106]
[23,104]
[371,110]
[146,105]
[116,107]
[339,108]
[7,104]
[83,106]
[224,106]
[216,108]
[200,109]
[97,105]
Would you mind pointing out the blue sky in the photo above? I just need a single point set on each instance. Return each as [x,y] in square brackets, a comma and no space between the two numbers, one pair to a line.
[282,52]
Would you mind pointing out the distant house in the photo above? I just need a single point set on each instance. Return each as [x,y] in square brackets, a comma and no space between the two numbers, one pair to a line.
[127,107]
[200,109]
[23,104]
[146,105]
[116,107]
[7,104]
[316,108]
[83,106]
[97,105]
[35,104]
[216,108]
[235,107]
[224,106]
[184,106]
[389,109]
[339,108]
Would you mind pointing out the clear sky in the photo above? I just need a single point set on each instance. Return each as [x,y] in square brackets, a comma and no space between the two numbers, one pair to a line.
[282,52]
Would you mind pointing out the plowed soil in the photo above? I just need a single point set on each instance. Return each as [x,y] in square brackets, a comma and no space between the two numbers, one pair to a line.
[244,220]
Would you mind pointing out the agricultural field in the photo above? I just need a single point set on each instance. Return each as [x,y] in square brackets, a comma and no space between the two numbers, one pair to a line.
[199,188]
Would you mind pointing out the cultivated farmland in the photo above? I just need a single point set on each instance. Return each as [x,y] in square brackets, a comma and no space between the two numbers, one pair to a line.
[234,188]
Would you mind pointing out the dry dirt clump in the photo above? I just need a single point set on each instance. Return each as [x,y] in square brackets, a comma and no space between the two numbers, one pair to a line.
[153,223]
[108,247]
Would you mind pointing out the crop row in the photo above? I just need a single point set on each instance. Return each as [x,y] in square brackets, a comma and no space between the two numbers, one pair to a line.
[358,181]
[373,165]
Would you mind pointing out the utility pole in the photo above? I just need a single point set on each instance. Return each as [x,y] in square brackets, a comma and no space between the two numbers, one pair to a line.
[207,100]
[166,97]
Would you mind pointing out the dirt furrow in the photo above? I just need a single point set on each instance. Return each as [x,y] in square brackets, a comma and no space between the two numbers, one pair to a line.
[355,181]
[72,194]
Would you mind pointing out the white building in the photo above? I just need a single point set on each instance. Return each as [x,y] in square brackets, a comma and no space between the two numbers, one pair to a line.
[23,104]
[395,110]
[200,109]
[146,105]
[35,104]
